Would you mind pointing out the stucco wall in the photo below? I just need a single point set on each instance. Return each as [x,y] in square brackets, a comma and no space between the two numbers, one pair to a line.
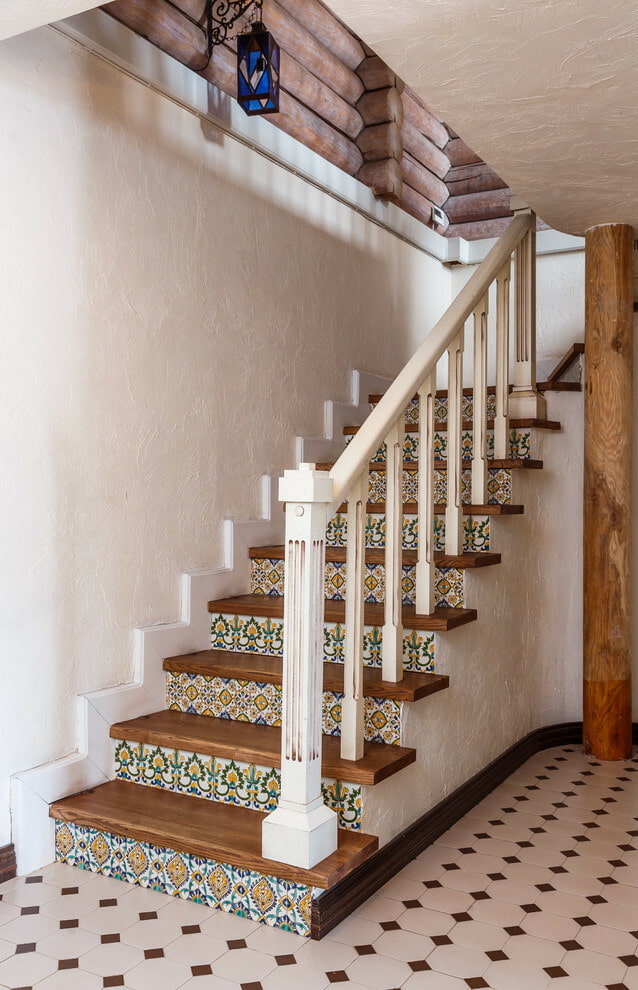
[175,311]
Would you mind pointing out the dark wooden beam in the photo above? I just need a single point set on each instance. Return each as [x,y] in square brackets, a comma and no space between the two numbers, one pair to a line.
[608,492]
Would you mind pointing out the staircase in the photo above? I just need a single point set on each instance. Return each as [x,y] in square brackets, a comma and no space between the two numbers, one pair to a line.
[197,785]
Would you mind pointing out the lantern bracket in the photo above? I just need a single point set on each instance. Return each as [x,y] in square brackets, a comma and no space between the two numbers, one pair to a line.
[222,16]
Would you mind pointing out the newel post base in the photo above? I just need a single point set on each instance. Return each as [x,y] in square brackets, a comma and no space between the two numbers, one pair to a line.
[302,830]
[525,401]
[607,557]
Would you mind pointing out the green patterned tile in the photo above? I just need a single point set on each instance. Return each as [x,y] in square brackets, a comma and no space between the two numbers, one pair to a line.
[249,894]
[245,785]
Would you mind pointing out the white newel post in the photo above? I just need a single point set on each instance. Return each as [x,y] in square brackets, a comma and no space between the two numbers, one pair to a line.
[525,402]
[454,509]
[352,706]
[302,830]
[479,405]
[501,417]
[392,645]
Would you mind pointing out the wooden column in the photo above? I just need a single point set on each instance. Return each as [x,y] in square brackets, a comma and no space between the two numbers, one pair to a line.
[607,494]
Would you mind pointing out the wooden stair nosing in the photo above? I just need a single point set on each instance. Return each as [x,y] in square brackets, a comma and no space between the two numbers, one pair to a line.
[441,393]
[254,743]
[440,426]
[268,670]
[272,606]
[504,463]
[566,362]
[463,561]
[210,829]
[411,509]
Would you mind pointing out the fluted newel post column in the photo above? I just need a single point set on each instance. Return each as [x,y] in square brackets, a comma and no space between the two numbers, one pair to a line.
[302,830]
[607,494]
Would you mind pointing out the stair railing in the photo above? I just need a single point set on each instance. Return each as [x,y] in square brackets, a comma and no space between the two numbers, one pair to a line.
[302,831]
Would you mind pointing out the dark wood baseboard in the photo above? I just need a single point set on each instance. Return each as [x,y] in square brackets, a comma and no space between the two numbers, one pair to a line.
[335,904]
[7,863]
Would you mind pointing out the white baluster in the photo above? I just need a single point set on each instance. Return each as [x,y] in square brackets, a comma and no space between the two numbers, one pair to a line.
[302,830]
[454,510]
[352,705]
[525,402]
[479,405]
[501,418]
[392,649]
[425,555]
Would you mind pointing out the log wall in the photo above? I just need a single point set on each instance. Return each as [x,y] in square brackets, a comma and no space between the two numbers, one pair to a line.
[342,101]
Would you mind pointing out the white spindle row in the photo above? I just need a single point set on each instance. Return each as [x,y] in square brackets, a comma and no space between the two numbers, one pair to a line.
[302,831]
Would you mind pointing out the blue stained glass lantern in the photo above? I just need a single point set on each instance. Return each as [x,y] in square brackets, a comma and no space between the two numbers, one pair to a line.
[258,71]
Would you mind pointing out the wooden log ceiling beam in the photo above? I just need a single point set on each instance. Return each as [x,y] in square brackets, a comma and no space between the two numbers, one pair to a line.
[178,36]
[423,181]
[458,153]
[424,120]
[328,29]
[381,106]
[607,618]
[422,149]
[475,178]
[479,206]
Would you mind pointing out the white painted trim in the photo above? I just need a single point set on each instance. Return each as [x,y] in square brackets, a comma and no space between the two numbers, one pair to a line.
[314,450]
[33,790]
[464,252]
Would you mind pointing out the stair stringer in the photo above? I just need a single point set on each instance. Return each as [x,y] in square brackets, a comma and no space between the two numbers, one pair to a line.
[32,791]
[317,450]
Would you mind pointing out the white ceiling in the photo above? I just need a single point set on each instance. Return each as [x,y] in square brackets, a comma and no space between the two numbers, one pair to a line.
[17,16]
[545,91]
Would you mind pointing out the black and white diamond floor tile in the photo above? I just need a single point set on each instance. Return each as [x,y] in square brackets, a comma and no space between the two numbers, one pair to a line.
[535,889]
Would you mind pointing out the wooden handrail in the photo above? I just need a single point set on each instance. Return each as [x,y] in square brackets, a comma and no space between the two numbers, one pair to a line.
[374,430]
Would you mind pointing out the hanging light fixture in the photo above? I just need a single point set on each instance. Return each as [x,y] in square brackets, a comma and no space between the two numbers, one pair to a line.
[257,53]
[258,71]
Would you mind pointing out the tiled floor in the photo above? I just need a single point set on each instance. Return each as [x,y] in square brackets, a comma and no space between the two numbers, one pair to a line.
[535,889]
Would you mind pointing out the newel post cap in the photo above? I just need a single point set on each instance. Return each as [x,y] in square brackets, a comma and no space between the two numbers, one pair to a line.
[305,485]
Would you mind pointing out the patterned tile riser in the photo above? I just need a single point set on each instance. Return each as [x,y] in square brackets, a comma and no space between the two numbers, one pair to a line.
[227,781]
[267,578]
[499,486]
[440,408]
[262,898]
[248,634]
[476,530]
[520,445]
[250,701]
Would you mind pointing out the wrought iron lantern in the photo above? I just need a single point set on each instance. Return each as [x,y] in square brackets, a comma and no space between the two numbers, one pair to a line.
[257,52]
[258,71]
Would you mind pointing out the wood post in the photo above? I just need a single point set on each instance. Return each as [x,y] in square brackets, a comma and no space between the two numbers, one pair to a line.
[607,492]
[302,830]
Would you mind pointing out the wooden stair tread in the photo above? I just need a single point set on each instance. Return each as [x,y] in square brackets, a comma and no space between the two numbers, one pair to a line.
[547,386]
[211,829]
[272,606]
[253,743]
[411,509]
[441,426]
[268,670]
[336,555]
[508,463]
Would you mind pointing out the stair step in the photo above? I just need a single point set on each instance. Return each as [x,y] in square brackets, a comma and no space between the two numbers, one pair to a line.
[272,606]
[268,670]
[214,831]
[337,555]
[504,463]
[411,509]
[467,424]
[491,389]
[259,744]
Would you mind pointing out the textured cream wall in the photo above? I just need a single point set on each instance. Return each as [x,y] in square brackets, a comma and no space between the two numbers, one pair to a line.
[175,311]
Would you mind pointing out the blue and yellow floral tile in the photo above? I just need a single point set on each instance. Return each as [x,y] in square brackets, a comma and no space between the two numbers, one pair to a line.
[246,701]
[249,894]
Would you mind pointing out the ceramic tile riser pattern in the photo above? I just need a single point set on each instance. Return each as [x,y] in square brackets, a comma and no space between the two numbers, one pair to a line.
[268,900]
[229,781]
[476,532]
[250,701]
[267,578]
[250,634]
